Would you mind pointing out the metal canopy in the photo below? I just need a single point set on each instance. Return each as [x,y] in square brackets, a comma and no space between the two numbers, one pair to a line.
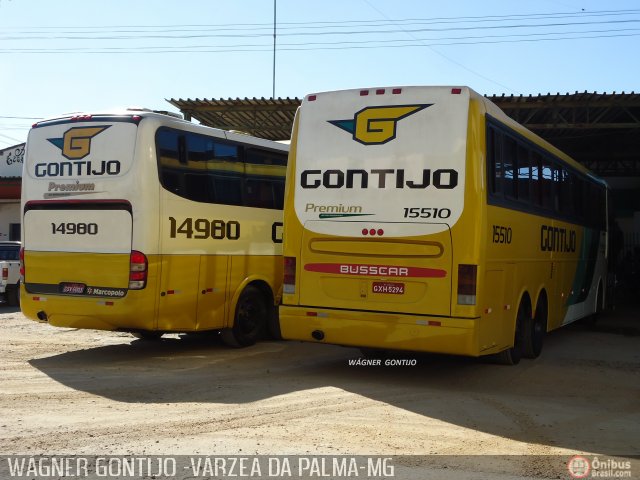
[600,130]
[261,117]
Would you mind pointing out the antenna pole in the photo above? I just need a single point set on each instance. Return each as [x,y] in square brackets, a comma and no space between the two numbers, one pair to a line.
[274,50]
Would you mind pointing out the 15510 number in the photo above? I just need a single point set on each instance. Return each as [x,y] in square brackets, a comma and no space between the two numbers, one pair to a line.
[502,234]
[427,212]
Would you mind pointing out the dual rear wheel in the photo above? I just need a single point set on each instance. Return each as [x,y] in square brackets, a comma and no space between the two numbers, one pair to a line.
[529,333]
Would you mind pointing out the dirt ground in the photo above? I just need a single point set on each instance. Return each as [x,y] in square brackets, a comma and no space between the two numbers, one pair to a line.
[85,392]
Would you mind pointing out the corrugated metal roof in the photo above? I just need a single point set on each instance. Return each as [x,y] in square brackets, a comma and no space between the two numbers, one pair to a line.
[576,111]
[262,117]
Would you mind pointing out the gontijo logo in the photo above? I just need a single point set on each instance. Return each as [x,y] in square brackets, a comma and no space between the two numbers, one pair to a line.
[76,142]
[377,125]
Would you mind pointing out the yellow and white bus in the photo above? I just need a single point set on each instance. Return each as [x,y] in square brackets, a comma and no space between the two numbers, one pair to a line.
[425,219]
[142,222]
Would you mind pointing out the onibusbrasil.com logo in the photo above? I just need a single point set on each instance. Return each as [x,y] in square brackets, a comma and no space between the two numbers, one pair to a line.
[580,466]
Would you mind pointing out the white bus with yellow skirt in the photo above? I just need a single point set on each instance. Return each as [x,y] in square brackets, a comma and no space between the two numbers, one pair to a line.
[142,222]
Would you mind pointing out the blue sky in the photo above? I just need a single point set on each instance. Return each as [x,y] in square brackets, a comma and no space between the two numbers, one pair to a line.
[78,55]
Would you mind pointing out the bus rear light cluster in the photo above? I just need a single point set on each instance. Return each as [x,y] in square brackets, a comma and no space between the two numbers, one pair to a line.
[21,264]
[467,280]
[138,270]
[5,274]
[289,283]
[373,232]
[365,93]
[381,91]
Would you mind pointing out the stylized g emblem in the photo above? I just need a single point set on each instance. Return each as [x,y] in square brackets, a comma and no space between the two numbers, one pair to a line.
[377,125]
[76,142]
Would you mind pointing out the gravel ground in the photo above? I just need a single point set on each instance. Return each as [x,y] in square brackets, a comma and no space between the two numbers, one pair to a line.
[83,392]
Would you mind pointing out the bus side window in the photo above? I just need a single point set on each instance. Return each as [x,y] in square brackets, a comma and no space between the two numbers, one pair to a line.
[228,189]
[510,166]
[278,193]
[169,164]
[524,173]
[198,187]
[494,140]
[536,179]
[549,187]
[578,198]
[567,180]
[259,193]
[264,157]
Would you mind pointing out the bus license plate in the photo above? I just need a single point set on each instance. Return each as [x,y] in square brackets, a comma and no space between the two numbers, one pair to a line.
[72,288]
[388,287]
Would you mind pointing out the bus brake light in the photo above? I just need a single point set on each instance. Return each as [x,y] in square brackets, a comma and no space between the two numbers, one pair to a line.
[467,279]
[138,269]
[289,283]
[22,264]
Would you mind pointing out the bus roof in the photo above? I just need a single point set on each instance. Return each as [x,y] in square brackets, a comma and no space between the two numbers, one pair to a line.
[488,107]
[166,118]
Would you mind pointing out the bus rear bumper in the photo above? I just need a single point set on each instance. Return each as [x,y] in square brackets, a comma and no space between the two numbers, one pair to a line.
[388,331]
[90,313]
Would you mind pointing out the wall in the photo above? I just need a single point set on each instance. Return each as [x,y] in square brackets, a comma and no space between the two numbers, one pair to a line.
[11,161]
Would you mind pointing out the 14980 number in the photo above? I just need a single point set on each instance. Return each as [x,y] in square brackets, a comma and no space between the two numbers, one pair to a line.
[202,228]
[71,228]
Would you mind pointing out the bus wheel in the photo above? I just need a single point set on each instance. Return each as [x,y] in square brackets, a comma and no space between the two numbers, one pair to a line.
[147,336]
[512,356]
[533,330]
[250,319]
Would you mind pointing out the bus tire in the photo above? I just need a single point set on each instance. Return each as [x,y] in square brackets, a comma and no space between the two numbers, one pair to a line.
[249,321]
[534,329]
[512,356]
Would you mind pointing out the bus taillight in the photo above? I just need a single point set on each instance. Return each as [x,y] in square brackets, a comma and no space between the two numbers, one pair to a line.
[289,284]
[467,279]
[5,273]
[22,264]
[138,270]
